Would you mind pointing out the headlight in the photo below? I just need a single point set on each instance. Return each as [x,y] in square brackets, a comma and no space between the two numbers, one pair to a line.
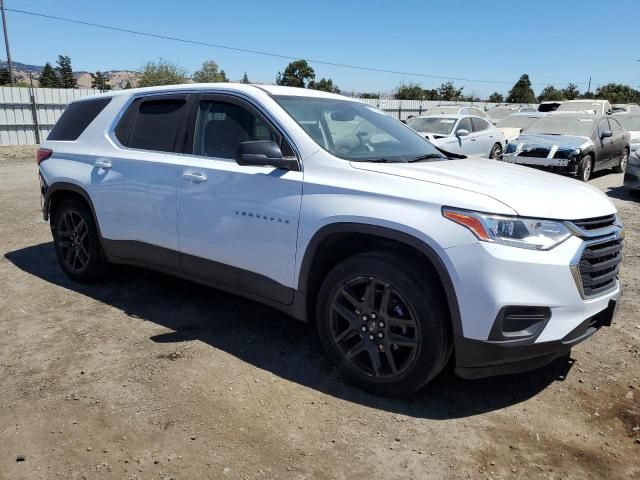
[531,233]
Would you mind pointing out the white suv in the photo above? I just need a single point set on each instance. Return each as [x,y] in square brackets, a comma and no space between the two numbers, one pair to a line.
[334,212]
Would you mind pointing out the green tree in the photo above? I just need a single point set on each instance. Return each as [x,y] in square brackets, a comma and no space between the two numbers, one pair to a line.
[245,79]
[409,91]
[369,95]
[161,72]
[588,95]
[297,74]
[100,81]
[522,91]
[496,97]
[209,73]
[550,93]
[48,77]
[65,72]
[448,91]
[618,93]
[326,85]
[571,91]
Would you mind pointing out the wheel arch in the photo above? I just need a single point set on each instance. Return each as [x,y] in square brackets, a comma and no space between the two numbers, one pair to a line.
[60,191]
[321,255]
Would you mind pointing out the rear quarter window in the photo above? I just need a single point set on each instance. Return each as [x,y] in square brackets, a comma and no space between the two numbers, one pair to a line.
[76,118]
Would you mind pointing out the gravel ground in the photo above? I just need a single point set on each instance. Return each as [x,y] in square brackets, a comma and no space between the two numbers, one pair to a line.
[147,376]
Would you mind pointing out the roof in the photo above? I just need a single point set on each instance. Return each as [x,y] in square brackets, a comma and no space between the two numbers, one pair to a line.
[233,87]
[448,115]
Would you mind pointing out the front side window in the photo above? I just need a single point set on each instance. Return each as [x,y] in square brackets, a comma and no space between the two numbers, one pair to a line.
[465,124]
[356,131]
[615,126]
[603,126]
[221,126]
[479,124]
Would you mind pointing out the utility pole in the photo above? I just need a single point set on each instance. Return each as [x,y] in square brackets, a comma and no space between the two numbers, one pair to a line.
[588,88]
[6,41]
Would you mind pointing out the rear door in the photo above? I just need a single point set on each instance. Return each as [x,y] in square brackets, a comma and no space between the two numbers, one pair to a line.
[134,183]
[238,224]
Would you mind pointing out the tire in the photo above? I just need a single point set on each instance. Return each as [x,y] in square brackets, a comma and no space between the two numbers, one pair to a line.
[496,152]
[77,243]
[390,351]
[622,166]
[585,169]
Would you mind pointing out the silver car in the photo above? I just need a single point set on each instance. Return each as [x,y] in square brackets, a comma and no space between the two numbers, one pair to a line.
[463,134]
[456,110]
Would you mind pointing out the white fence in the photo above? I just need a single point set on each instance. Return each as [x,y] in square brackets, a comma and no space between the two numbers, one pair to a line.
[28,114]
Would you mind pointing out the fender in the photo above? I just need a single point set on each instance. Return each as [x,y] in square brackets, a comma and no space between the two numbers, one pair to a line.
[388,233]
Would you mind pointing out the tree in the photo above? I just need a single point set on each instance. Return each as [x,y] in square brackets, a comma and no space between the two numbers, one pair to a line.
[496,97]
[100,81]
[369,95]
[5,76]
[65,72]
[297,74]
[571,91]
[448,91]
[245,79]
[550,93]
[326,85]
[48,77]
[618,93]
[522,91]
[409,91]
[161,72]
[209,73]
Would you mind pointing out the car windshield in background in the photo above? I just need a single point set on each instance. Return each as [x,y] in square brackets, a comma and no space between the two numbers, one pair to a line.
[442,110]
[356,131]
[498,112]
[516,121]
[440,126]
[629,122]
[579,107]
[562,125]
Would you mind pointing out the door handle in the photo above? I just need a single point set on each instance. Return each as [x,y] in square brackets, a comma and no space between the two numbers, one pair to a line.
[104,164]
[194,177]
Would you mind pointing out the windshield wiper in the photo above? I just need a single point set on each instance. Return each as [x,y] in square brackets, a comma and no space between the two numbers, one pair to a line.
[429,156]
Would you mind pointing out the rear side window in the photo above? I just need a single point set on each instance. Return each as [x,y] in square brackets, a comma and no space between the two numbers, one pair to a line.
[152,124]
[76,118]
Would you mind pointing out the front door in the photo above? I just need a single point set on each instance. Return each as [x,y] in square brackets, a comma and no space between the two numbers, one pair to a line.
[238,225]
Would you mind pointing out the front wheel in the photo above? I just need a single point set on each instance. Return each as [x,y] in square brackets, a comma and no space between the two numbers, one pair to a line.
[585,168]
[383,322]
[496,152]
[622,166]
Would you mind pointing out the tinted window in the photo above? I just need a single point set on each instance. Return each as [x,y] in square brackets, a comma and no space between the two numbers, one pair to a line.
[76,118]
[615,126]
[156,124]
[220,127]
[479,124]
[465,124]
[603,126]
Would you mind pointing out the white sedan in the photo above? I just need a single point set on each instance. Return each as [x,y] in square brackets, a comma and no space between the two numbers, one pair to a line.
[464,134]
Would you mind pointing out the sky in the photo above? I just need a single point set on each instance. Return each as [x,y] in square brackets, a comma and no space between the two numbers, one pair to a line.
[554,42]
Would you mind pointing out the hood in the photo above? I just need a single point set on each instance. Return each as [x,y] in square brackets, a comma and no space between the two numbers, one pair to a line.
[510,132]
[432,136]
[530,192]
[562,141]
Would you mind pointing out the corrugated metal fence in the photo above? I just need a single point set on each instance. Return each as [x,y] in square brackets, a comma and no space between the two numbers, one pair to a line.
[28,114]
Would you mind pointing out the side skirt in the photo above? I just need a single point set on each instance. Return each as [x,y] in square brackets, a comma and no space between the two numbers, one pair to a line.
[223,277]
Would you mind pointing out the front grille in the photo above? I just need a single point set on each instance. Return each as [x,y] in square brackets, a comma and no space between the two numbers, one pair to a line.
[536,152]
[599,266]
[595,223]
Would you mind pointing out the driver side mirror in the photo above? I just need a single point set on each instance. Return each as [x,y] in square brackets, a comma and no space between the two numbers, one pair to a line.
[262,153]
[606,134]
[462,132]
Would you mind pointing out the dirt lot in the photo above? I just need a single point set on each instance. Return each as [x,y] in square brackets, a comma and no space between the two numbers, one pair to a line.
[146,376]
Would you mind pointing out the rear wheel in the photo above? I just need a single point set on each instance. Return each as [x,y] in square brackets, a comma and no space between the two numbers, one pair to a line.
[382,321]
[76,241]
[585,168]
[496,152]
[623,162]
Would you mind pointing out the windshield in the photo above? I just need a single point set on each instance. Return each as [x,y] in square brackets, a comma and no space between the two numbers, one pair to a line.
[437,125]
[580,107]
[629,122]
[562,125]
[516,121]
[500,112]
[548,107]
[356,131]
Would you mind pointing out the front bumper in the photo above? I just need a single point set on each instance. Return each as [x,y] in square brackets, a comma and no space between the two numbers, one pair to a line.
[479,359]
[558,165]
[632,177]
